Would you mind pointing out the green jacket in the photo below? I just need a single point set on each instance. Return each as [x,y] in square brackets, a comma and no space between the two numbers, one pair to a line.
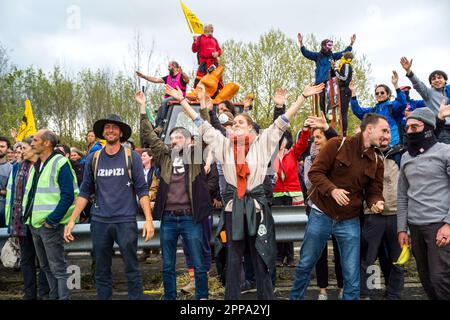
[196,182]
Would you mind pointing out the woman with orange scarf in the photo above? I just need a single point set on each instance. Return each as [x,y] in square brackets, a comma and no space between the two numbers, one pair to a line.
[246,218]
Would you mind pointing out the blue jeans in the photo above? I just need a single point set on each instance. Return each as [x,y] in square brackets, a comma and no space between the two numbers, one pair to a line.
[49,245]
[207,258]
[318,230]
[125,234]
[172,226]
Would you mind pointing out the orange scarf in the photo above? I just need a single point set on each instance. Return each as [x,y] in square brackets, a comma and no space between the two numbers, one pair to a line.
[241,145]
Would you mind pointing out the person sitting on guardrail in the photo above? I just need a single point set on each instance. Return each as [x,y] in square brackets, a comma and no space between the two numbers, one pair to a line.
[344,173]
[246,219]
[114,175]
[182,201]
[47,203]
[16,228]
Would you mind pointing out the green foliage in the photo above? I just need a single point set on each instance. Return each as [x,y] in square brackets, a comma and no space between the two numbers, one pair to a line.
[276,61]
[70,104]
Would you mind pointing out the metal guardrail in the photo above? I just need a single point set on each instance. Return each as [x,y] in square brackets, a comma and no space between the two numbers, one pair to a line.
[290,225]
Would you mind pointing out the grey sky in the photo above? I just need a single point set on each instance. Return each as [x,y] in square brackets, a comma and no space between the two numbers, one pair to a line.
[37,32]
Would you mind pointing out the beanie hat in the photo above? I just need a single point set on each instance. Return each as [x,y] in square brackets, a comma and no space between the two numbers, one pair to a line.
[425,115]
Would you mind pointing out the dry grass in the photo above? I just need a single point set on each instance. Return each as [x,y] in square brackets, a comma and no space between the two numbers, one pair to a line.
[216,290]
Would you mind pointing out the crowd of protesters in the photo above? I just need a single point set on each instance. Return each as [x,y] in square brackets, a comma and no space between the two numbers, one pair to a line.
[367,194]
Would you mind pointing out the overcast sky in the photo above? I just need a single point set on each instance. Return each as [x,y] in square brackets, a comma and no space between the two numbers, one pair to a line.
[46,32]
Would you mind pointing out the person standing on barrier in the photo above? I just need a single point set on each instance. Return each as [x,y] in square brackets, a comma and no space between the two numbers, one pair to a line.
[47,203]
[182,202]
[345,172]
[114,175]
[246,220]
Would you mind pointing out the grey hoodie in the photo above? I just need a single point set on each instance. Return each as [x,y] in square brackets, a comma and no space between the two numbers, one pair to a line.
[431,96]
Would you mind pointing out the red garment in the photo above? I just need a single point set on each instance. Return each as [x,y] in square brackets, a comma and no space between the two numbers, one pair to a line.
[241,145]
[289,164]
[205,46]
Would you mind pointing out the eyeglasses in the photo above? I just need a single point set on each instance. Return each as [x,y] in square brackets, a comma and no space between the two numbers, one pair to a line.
[380,93]
[413,127]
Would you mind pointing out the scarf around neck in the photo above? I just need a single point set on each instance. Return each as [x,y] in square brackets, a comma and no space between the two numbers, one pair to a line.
[344,61]
[241,146]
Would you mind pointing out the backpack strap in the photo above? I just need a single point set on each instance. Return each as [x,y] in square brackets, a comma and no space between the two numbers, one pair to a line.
[129,163]
[95,164]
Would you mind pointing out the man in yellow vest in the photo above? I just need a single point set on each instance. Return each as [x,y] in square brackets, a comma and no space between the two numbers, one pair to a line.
[48,203]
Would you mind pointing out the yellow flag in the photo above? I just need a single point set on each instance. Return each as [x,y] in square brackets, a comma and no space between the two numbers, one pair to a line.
[194,24]
[27,125]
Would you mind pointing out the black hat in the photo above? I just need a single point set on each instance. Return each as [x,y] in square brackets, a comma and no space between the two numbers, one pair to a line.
[99,125]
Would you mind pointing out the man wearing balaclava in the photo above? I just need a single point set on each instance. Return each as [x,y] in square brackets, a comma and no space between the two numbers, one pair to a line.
[323,60]
[423,203]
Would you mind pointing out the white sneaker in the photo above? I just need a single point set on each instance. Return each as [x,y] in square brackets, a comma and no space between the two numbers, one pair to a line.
[322,296]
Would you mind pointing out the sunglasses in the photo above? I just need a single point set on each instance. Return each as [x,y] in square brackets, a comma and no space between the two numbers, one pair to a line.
[413,127]
[380,93]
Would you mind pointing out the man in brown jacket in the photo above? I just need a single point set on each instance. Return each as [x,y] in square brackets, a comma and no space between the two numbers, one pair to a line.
[345,173]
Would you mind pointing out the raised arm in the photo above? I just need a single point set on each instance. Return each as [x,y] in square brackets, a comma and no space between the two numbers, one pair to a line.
[420,87]
[147,134]
[149,78]
[400,103]
[196,44]
[178,95]
[209,134]
[279,100]
[306,53]
[309,90]
[357,110]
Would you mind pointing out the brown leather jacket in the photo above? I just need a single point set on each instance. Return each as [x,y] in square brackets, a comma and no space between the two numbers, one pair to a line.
[352,168]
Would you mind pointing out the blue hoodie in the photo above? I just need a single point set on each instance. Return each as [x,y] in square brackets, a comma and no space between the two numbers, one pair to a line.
[382,108]
[323,62]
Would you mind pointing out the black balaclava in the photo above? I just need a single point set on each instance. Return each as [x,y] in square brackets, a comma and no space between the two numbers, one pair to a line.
[419,142]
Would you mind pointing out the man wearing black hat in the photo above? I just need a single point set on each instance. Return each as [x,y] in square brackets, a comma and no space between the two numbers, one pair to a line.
[432,96]
[423,202]
[114,174]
